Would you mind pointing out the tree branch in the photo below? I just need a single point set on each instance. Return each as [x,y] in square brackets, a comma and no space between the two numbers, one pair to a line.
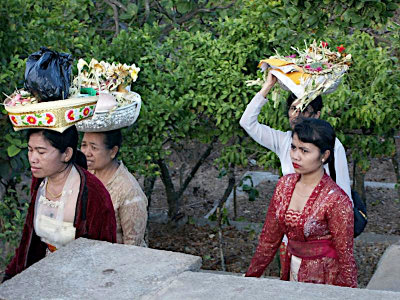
[196,167]
[119,4]
[146,11]
[116,17]
[165,176]
[163,11]
[193,13]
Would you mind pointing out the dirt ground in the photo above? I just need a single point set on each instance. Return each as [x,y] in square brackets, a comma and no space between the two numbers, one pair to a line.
[239,246]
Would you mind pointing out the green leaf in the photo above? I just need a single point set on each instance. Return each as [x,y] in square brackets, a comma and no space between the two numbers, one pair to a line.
[13,150]
[222,173]
[183,6]
[292,11]
[246,187]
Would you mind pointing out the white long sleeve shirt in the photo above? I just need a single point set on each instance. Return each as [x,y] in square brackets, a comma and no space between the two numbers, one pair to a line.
[280,143]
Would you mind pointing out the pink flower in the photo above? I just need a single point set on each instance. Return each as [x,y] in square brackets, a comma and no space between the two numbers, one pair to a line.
[324,44]
[307,67]
[319,69]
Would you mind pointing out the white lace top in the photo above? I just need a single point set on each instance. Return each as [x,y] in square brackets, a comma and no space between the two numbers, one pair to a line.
[130,205]
[53,221]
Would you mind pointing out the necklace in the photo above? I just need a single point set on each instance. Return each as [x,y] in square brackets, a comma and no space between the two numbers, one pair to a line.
[50,193]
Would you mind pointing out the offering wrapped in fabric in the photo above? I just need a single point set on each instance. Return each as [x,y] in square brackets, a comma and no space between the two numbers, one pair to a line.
[311,72]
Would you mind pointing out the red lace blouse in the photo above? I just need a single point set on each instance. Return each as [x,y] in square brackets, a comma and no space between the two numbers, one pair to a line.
[328,214]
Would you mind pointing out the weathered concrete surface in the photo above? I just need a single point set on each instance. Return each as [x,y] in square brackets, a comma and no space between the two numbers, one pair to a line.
[387,274]
[87,269]
[370,237]
[206,286]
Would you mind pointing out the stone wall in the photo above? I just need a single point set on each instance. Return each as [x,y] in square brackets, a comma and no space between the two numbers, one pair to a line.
[87,269]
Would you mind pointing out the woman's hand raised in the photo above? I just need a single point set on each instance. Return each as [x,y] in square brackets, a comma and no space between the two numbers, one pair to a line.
[269,83]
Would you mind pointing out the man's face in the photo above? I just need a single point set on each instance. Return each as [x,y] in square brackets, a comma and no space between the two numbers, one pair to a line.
[294,113]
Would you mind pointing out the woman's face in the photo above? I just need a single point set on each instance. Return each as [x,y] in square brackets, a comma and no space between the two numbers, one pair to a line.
[306,157]
[97,155]
[45,160]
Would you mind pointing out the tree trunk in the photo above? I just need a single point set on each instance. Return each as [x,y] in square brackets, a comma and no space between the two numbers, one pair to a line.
[358,181]
[396,162]
[172,195]
[220,209]
[148,190]
[148,187]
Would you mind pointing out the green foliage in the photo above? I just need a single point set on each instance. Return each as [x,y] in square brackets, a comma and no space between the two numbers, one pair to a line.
[224,216]
[195,58]
[14,160]
[249,188]
[12,218]
[366,108]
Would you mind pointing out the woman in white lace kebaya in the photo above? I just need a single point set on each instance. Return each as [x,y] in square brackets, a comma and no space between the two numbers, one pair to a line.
[130,203]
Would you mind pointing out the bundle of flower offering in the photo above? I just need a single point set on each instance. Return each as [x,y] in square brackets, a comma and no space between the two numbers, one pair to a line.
[103,77]
[117,107]
[308,73]
[20,97]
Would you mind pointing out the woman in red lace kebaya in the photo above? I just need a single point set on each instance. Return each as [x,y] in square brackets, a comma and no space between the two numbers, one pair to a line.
[314,213]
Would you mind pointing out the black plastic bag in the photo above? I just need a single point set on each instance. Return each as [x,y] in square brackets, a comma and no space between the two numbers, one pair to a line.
[360,214]
[48,74]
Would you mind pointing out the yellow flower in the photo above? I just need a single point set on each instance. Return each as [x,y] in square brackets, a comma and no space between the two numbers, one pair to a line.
[134,72]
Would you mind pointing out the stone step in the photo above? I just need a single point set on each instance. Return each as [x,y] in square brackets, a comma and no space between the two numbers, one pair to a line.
[87,269]
[387,274]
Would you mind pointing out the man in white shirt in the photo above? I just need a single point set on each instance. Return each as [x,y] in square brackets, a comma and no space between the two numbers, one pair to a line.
[280,142]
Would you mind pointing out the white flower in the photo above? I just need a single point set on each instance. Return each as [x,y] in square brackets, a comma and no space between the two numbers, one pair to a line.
[81,64]
[93,62]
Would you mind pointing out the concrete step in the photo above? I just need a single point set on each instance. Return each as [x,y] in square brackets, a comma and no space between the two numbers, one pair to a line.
[87,269]
[386,276]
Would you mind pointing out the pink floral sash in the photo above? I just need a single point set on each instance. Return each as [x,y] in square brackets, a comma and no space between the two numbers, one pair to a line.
[312,249]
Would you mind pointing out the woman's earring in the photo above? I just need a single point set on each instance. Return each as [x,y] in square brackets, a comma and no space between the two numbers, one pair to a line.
[323,160]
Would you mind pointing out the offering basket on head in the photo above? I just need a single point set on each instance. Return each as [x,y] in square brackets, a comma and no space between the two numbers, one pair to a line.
[311,72]
[55,115]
